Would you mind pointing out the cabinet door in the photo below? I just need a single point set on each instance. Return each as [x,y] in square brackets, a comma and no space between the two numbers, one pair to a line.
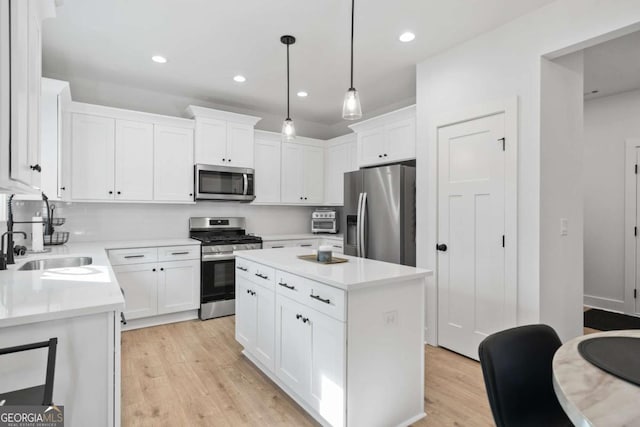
[264,348]
[92,157]
[267,171]
[337,163]
[240,145]
[246,312]
[178,286]
[35,89]
[291,183]
[293,344]
[313,174]
[401,140]
[140,285]
[326,390]
[134,160]
[173,164]
[372,146]
[211,142]
[20,93]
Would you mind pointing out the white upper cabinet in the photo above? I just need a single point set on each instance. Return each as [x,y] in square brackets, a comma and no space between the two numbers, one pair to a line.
[267,151]
[134,161]
[388,138]
[302,174]
[113,154]
[20,80]
[223,138]
[92,157]
[342,157]
[173,163]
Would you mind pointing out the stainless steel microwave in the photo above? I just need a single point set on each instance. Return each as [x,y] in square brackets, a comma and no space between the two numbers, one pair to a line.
[224,183]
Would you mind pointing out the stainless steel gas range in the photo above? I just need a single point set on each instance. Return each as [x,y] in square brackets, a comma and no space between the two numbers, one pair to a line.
[220,237]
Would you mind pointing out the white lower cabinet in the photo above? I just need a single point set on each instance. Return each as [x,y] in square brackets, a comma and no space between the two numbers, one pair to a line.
[255,317]
[157,288]
[310,357]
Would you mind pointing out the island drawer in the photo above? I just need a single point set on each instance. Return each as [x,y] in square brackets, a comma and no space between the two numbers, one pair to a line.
[133,256]
[323,298]
[258,273]
[178,253]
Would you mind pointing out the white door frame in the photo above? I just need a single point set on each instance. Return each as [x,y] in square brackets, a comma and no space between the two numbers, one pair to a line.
[510,109]
[630,203]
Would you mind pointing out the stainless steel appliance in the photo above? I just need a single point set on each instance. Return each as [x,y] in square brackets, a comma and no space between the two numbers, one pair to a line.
[224,183]
[219,237]
[379,218]
[324,221]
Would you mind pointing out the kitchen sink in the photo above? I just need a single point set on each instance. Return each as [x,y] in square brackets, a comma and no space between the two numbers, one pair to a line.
[46,264]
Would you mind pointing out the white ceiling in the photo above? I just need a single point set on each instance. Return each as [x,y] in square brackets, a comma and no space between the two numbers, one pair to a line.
[612,67]
[207,42]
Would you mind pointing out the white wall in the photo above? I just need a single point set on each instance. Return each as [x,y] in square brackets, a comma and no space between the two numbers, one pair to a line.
[608,122]
[110,221]
[561,206]
[499,65]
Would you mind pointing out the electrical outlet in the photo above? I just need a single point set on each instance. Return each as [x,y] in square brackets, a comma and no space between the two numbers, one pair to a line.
[391,318]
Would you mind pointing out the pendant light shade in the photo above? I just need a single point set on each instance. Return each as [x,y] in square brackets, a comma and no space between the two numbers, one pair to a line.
[351,109]
[288,128]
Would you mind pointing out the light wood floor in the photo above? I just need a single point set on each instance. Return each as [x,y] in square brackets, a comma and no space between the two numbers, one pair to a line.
[192,374]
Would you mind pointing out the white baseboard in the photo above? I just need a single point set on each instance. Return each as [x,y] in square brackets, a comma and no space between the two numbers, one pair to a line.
[160,320]
[604,303]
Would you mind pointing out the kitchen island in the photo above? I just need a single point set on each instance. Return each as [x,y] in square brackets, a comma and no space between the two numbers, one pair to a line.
[345,341]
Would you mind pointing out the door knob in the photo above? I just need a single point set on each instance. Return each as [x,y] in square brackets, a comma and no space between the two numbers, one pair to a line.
[441,247]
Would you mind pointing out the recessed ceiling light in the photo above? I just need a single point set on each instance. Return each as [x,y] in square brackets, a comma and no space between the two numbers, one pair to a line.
[303,94]
[239,79]
[159,59]
[407,36]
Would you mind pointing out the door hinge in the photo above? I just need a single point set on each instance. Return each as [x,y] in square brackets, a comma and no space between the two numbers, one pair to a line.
[503,240]
[635,293]
[503,140]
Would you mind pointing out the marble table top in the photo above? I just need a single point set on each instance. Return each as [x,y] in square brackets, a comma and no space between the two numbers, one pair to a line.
[590,396]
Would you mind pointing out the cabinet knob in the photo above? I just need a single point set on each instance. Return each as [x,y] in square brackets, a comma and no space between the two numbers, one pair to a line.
[301,198]
[36,168]
[162,269]
[385,155]
[119,192]
[190,194]
[63,188]
[305,198]
[229,160]
[153,269]
[110,192]
[224,160]
[380,156]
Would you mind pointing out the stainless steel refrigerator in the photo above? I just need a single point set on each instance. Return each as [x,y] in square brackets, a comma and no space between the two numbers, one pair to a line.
[379,219]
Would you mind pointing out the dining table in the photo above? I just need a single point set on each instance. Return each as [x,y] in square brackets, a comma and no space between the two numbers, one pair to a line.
[590,396]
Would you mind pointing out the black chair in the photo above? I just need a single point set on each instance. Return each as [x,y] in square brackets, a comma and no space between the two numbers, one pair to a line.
[38,395]
[517,370]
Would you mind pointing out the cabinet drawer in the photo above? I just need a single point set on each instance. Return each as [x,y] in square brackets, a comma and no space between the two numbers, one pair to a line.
[276,245]
[320,297]
[258,273]
[311,243]
[133,256]
[178,253]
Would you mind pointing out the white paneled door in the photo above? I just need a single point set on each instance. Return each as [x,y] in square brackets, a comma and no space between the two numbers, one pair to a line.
[472,290]
[134,160]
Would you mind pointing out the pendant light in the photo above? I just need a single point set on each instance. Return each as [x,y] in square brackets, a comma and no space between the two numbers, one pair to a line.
[288,129]
[351,109]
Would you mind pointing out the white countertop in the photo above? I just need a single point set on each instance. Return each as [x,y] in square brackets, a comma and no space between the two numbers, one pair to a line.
[358,273]
[303,236]
[42,295]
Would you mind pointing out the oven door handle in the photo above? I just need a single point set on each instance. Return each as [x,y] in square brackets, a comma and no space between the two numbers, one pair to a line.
[217,257]
[246,184]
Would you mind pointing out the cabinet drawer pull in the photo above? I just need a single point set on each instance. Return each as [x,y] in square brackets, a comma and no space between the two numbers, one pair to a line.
[250,292]
[277,247]
[337,246]
[36,168]
[133,256]
[262,276]
[180,253]
[307,245]
[242,268]
[301,317]
[284,285]
[326,301]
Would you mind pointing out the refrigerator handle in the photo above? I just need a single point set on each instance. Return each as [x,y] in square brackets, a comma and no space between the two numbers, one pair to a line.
[358,224]
[363,233]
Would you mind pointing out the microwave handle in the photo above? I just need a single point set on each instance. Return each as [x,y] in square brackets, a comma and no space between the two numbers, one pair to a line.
[246,183]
